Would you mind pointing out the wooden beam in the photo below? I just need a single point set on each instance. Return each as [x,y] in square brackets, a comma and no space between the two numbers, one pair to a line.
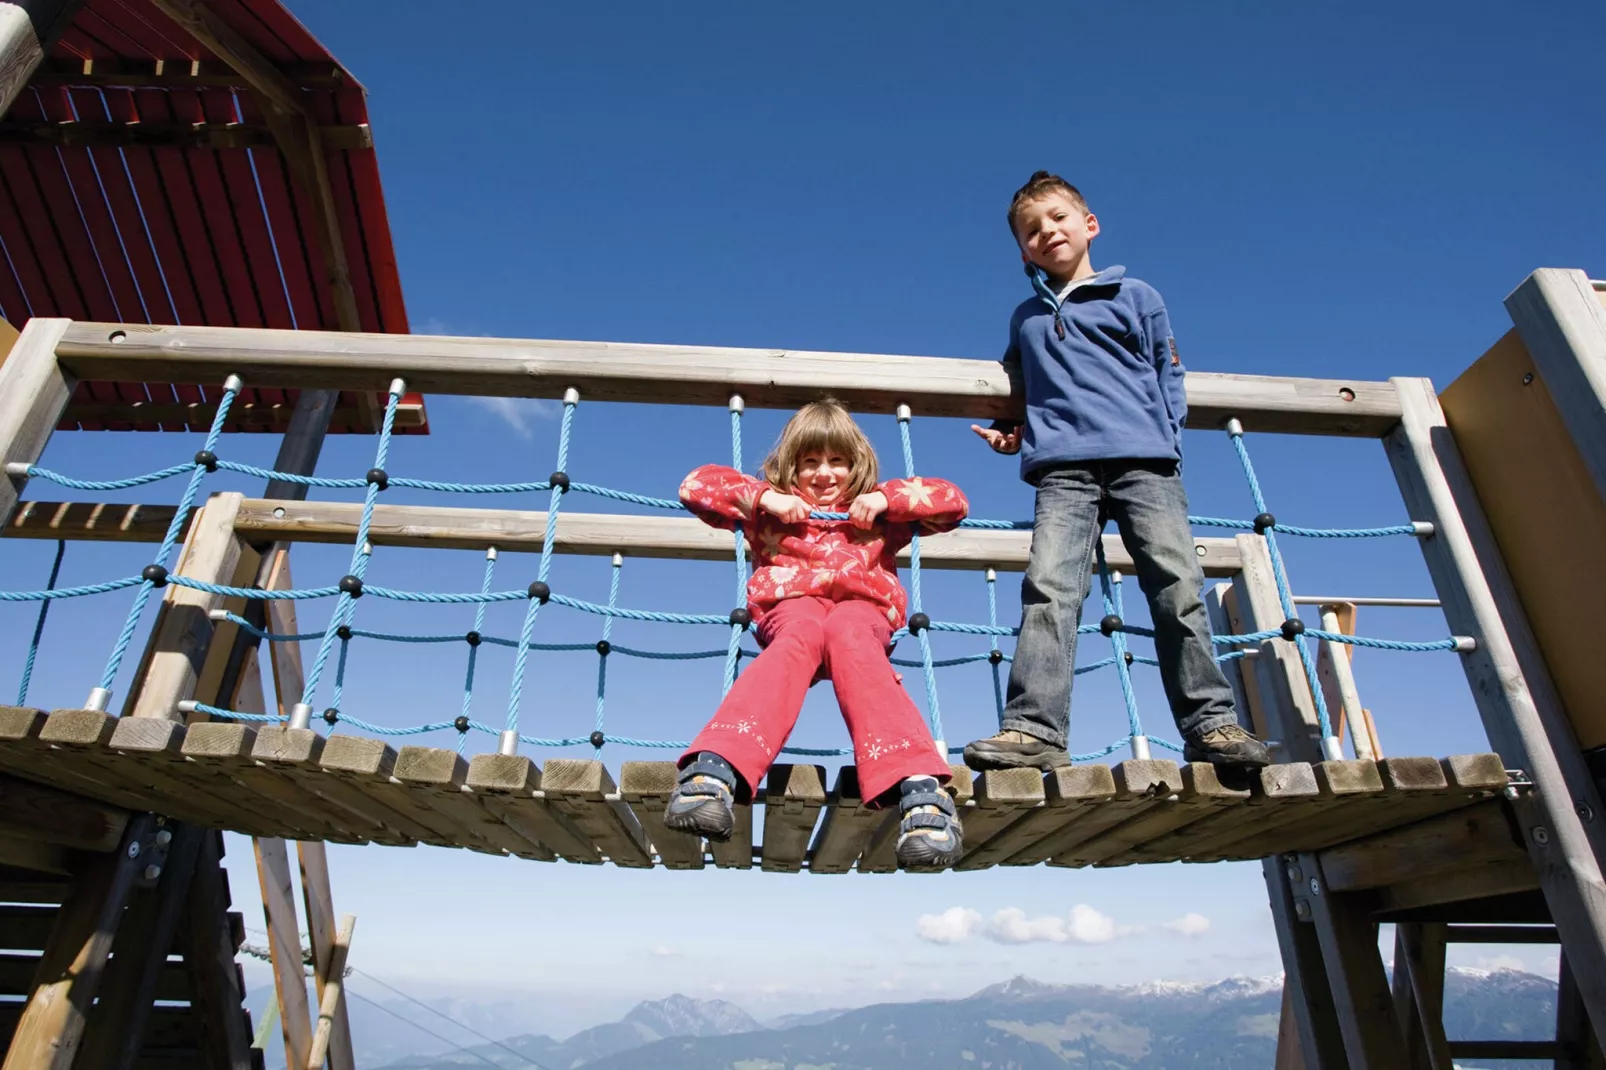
[1501,934]
[284,944]
[1515,696]
[1305,988]
[1280,687]
[92,521]
[135,73]
[1579,1048]
[1480,835]
[1563,326]
[636,535]
[52,1026]
[33,387]
[36,812]
[112,135]
[209,946]
[669,374]
[332,1037]
[332,1004]
[1419,954]
[28,30]
[1360,987]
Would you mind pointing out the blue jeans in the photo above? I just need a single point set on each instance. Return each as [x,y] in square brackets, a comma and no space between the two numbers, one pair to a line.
[1150,508]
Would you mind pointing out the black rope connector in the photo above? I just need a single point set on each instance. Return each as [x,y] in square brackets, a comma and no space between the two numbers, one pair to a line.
[918,622]
[472,638]
[206,459]
[1264,522]
[351,585]
[604,647]
[995,657]
[1129,657]
[331,715]
[740,617]
[1111,624]
[155,574]
[461,724]
[378,478]
[540,591]
[1292,627]
[598,739]
[559,480]
[344,631]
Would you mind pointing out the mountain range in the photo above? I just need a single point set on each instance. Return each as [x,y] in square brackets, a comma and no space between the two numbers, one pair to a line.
[1020,1024]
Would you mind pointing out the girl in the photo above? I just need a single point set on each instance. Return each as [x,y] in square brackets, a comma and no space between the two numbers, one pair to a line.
[825,600]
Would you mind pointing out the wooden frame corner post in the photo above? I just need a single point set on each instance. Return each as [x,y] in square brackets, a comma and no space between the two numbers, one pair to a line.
[34,391]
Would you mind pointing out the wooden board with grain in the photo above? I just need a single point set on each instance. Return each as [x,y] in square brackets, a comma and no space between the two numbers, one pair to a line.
[440,779]
[509,786]
[367,764]
[793,796]
[1067,790]
[645,788]
[578,790]
[847,827]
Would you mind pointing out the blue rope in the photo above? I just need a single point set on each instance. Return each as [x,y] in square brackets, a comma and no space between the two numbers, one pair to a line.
[72,592]
[934,711]
[733,655]
[236,715]
[474,650]
[554,504]
[1284,595]
[39,625]
[607,630]
[1112,604]
[175,528]
[35,472]
[992,620]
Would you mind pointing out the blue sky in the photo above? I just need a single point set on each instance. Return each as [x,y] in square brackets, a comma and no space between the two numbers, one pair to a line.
[1324,190]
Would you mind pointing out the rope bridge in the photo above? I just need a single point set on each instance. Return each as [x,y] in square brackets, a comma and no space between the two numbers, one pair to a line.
[335,638]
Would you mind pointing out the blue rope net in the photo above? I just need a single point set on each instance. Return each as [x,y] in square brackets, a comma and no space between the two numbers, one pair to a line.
[337,635]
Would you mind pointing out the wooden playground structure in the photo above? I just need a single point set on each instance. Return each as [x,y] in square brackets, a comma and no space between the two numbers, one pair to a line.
[109,820]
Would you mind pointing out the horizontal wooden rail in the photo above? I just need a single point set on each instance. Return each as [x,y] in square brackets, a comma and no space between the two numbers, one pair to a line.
[91,521]
[1506,1049]
[634,535]
[669,374]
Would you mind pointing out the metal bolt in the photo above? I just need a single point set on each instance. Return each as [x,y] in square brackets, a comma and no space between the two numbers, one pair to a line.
[1527,378]
[278,512]
[1198,550]
[152,872]
[133,849]
[1302,909]
[1510,793]
[1315,886]
[1294,875]
[1586,812]
[164,837]
[1540,834]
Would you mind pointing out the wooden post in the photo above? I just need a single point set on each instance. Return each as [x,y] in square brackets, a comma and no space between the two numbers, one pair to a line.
[1563,326]
[1280,687]
[284,943]
[1579,1050]
[28,29]
[1419,972]
[329,949]
[70,971]
[1561,821]
[216,993]
[1338,682]
[1355,974]
[332,1005]
[34,390]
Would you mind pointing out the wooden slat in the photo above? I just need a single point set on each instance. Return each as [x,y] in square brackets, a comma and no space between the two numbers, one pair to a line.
[26,928]
[665,374]
[793,796]
[1001,797]
[737,852]
[1202,795]
[24,754]
[577,789]
[509,786]
[1137,783]
[880,854]
[92,521]
[368,765]
[294,754]
[200,135]
[1068,790]
[439,778]
[1279,794]
[645,788]
[847,826]
[17,973]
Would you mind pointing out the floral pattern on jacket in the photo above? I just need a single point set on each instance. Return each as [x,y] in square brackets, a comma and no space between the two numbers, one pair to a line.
[824,558]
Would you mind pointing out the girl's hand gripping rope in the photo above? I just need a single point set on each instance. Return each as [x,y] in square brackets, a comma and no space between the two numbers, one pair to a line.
[787,507]
[866,508]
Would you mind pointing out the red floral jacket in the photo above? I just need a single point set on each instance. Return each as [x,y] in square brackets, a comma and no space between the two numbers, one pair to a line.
[826,558]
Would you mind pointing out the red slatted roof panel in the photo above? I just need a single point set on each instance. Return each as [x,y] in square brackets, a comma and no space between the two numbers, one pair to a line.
[167,234]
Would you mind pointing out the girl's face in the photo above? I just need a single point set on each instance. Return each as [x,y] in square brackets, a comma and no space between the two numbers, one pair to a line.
[822,475]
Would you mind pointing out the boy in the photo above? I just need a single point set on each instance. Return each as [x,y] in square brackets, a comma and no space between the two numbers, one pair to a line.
[1102,439]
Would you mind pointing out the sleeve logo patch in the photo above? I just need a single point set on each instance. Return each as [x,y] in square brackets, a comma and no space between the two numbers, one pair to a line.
[1175,360]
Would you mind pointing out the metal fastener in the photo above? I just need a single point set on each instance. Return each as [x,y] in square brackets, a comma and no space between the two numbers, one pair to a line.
[152,872]
[164,837]
[133,849]
[1315,886]
[1586,812]
[1541,834]
[1302,909]
[1294,875]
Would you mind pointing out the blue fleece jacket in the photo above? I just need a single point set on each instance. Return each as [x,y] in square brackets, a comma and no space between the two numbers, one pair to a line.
[1111,388]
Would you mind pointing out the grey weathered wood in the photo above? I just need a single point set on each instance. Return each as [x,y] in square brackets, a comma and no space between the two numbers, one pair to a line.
[440,777]
[92,521]
[736,852]
[28,30]
[1479,835]
[1579,1048]
[294,753]
[1216,597]
[51,1029]
[24,754]
[509,786]
[1067,790]
[1305,986]
[368,764]
[793,796]
[1280,687]
[209,946]
[604,534]
[847,826]
[1001,797]
[1563,327]
[1501,934]
[645,787]
[33,387]
[668,374]
[579,790]
[224,748]
[1515,696]
[1360,987]
[1426,897]
[331,1037]
[1202,795]
[284,943]
[1279,794]
[1138,782]
[1420,952]
[38,812]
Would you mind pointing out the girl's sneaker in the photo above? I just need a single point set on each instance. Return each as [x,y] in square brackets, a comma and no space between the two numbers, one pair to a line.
[704,798]
[929,833]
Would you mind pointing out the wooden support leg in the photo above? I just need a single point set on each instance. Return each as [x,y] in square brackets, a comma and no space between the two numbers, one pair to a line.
[1289,1055]
[319,900]
[284,943]
[52,1025]
[117,1024]
[33,389]
[1355,975]
[1305,985]
[216,992]
[1419,966]
[1579,1048]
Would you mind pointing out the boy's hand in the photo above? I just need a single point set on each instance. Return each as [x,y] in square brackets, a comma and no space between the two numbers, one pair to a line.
[1000,441]
[865,509]
[789,507]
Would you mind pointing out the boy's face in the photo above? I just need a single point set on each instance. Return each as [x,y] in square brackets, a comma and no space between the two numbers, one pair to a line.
[1054,233]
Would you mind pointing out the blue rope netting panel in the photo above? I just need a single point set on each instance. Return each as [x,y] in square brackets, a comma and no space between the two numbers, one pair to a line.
[326,676]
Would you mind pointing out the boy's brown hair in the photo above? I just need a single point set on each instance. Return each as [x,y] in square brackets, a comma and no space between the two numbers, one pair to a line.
[1040,184]
[825,426]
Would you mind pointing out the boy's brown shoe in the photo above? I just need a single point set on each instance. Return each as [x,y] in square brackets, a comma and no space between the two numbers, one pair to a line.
[1013,749]
[1229,746]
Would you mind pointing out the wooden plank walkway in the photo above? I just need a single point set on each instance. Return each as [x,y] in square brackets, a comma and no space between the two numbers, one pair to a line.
[273,781]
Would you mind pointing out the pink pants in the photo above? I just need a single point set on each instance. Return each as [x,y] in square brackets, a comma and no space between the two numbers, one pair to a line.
[848,640]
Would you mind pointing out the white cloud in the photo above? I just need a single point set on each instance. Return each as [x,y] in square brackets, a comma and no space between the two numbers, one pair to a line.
[521,414]
[662,951]
[1189,924]
[1084,925]
[952,926]
[1501,962]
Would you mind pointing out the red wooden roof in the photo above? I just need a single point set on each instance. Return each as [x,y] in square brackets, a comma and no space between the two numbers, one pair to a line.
[138,183]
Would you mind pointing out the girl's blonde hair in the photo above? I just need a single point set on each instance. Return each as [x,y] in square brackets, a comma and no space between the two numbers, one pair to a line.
[823,426]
